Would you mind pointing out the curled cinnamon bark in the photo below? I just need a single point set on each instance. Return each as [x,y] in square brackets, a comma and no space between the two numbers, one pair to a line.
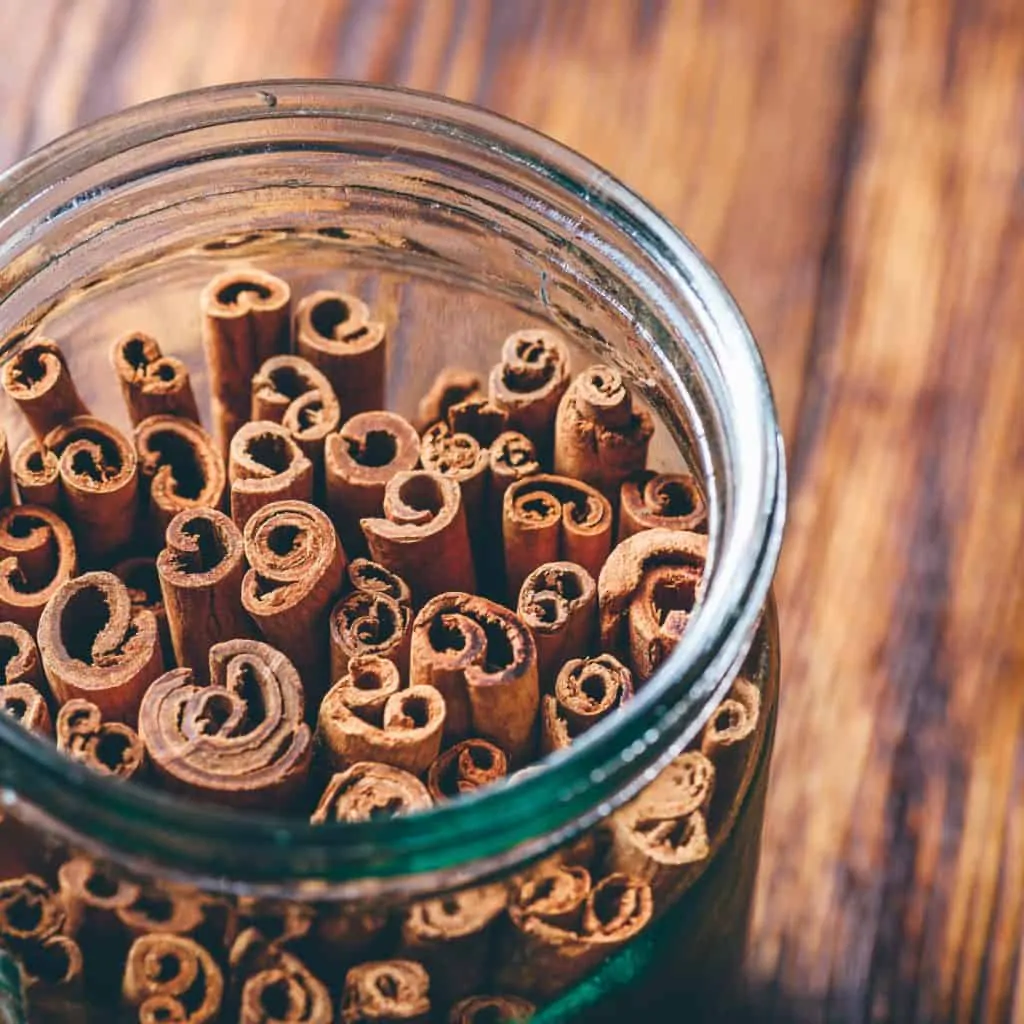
[92,897]
[451,936]
[386,992]
[671,500]
[297,566]
[728,740]
[646,593]
[450,387]
[548,518]
[140,577]
[512,456]
[488,1009]
[529,382]
[335,333]
[241,739]
[97,647]
[37,555]
[372,620]
[355,724]
[6,497]
[172,910]
[558,601]
[466,766]
[479,417]
[266,465]
[587,690]
[38,379]
[459,457]
[36,471]
[201,571]
[484,662]
[110,748]
[246,320]
[367,790]
[376,579]
[53,975]
[359,461]
[152,384]
[19,657]
[171,978]
[26,705]
[600,437]
[424,536]
[29,911]
[99,481]
[181,466]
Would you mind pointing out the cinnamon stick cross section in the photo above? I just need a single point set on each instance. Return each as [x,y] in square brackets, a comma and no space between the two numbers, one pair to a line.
[673,501]
[586,691]
[466,766]
[39,381]
[110,748]
[152,384]
[36,471]
[369,790]
[266,465]
[389,991]
[172,978]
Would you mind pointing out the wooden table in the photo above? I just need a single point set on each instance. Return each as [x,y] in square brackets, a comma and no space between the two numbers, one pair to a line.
[854,170]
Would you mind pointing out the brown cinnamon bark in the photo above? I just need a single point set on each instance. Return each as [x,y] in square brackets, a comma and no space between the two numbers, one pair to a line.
[367,790]
[673,501]
[27,706]
[484,662]
[266,465]
[558,601]
[511,457]
[600,437]
[152,384]
[20,666]
[181,467]
[95,646]
[370,622]
[459,457]
[466,766]
[450,387]
[173,910]
[728,740]
[30,912]
[201,571]
[488,1009]
[99,479]
[529,382]
[335,333]
[451,936]
[37,556]
[587,690]
[548,518]
[38,379]
[386,992]
[241,740]
[297,567]
[6,494]
[140,577]
[92,897]
[246,320]
[479,417]
[424,536]
[360,459]
[36,471]
[171,978]
[405,731]
[646,593]
[373,578]
[52,971]
[110,748]
[662,836]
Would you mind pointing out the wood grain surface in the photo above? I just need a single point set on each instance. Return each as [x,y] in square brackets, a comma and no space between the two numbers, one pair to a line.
[854,170]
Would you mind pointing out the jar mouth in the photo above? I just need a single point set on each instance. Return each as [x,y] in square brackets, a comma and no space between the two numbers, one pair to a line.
[510,821]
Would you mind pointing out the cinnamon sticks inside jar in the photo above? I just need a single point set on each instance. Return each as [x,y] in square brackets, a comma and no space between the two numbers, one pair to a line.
[466,766]
[169,977]
[36,472]
[21,680]
[110,748]
[37,556]
[266,465]
[650,500]
[39,381]
[368,790]
[586,691]
[386,992]
[152,384]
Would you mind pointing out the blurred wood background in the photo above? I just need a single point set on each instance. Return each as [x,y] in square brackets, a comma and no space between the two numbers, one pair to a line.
[853,168]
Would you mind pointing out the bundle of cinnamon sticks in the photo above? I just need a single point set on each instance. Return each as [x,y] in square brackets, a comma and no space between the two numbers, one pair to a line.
[324,607]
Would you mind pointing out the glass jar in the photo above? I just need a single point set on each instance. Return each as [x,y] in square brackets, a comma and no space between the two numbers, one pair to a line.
[457,227]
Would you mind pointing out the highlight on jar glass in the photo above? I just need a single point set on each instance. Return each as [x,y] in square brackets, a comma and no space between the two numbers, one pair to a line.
[391,501]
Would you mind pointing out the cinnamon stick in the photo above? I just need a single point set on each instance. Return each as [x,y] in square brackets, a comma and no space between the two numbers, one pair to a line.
[21,680]
[404,730]
[450,387]
[30,912]
[646,593]
[368,451]
[246,320]
[451,936]
[459,457]
[297,567]
[99,481]
[36,471]
[489,1009]
[335,333]
[464,767]
[152,384]
[141,579]
[479,417]
[266,465]
[386,992]
[600,437]
[369,621]
[424,536]
[110,748]
[92,897]
[171,978]
[52,972]
[586,691]
[728,740]
[648,500]
[511,457]
[240,740]
[548,518]
[558,601]
[201,571]
[38,379]
[373,578]
[173,910]
[367,790]
[95,646]
[6,497]
[529,382]
[484,662]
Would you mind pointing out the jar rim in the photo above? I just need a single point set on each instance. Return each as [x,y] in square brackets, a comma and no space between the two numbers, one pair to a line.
[511,821]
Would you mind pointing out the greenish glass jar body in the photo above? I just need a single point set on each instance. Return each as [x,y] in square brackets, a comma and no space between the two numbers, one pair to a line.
[457,227]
